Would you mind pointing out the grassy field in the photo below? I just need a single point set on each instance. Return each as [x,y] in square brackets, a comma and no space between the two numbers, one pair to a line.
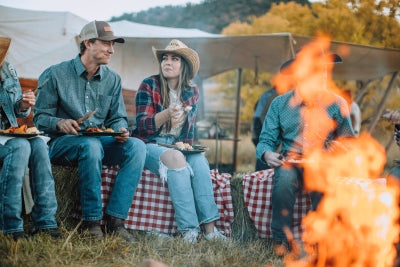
[78,251]
[245,249]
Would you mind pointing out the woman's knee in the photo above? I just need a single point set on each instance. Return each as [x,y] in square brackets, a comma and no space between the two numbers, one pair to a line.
[173,159]
[20,146]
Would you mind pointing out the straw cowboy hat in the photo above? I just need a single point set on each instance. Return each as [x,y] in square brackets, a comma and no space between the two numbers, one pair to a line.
[179,48]
[4,46]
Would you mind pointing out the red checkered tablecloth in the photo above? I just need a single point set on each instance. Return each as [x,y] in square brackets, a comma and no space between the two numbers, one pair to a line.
[257,190]
[152,209]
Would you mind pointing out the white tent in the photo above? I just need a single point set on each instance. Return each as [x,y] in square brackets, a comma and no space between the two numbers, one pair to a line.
[40,39]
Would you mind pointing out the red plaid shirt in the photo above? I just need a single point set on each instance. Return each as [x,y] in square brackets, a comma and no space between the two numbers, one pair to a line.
[149,103]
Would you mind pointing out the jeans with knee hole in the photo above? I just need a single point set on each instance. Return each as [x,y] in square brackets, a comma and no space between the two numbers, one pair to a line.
[89,153]
[190,187]
[17,154]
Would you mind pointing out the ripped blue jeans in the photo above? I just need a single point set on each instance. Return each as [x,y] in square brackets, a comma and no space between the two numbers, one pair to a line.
[190,188]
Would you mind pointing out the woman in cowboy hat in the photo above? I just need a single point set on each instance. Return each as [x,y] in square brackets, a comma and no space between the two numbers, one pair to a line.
[165,113]
[16,154]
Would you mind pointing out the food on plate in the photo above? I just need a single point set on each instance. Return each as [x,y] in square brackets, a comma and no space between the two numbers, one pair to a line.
[94,130]
[15,129]
[32,130]
[183,146]
[23,129]
[98,130]
[109,130]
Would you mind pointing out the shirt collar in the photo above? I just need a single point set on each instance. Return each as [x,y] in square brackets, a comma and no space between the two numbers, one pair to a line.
[298,100]
[80,68]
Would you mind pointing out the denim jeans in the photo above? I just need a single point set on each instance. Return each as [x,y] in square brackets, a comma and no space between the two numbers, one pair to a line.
[190,188]
[395,172]
[89,153]
[16,155]
[288,181]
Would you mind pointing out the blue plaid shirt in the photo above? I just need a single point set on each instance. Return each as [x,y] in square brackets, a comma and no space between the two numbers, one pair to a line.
[149,103]
[396,134]
[68,94]
[284,125]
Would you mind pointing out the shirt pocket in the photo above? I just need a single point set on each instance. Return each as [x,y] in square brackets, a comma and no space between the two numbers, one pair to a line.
[104,103]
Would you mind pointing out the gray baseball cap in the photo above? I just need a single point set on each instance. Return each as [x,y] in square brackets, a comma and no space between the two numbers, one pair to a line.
[100,30]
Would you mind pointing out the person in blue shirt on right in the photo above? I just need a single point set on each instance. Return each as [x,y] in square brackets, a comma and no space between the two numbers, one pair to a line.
[260,111]
[287,124]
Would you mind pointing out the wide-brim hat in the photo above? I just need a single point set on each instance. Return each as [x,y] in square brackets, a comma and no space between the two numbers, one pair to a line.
[4,46]
[333,59]
[179,48]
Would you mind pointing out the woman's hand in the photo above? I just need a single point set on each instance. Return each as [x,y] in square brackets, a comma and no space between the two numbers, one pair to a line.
[175,111]
[28,100]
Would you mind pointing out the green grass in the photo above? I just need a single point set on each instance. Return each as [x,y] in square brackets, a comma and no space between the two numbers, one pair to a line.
[245,249]
[75,249]
[78,251]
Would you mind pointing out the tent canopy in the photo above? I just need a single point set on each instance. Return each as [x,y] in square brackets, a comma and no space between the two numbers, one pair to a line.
[41,39]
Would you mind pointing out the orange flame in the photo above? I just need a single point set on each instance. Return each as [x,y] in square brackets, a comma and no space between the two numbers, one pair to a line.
[356,223]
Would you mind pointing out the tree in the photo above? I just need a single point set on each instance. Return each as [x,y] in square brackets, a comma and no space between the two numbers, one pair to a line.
[210,15]
[356,21]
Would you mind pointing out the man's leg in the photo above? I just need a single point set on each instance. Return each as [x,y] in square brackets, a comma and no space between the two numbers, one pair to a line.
[130,156]
[87,153]
[286,185]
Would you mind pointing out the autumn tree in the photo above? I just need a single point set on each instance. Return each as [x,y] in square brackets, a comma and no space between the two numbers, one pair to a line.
[367,22]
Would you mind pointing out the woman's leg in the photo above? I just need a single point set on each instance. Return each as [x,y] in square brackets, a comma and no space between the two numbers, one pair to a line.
[207,210]
[14,155]
[171,166]
[42,186]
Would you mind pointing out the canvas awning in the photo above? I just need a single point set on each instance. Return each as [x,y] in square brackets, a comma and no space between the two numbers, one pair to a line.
[41,39]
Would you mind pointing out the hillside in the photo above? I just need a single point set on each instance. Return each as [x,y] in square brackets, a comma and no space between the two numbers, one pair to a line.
[210,15]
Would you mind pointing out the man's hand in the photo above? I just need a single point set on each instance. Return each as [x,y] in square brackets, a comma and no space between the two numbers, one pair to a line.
[123,137]
[273,159]
[68,126]
[393,116]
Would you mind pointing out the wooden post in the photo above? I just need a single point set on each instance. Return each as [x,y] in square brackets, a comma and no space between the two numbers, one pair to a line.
[237,119]
[381,105]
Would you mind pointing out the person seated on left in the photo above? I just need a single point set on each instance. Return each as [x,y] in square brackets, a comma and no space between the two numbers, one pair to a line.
[18,153]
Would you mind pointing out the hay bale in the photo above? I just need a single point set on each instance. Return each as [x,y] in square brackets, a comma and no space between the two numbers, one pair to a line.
[66,187]
[243,228]
[66,184]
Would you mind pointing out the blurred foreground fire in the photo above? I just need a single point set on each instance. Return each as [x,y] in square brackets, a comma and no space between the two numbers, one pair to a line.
[356,223]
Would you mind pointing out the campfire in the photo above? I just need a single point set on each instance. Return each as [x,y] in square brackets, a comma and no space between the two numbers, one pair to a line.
[356,223]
